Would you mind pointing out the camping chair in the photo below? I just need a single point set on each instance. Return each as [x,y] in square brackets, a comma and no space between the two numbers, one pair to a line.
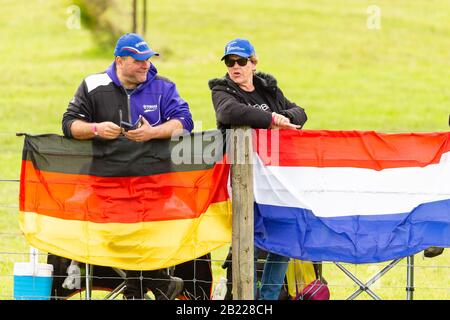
[197,276]
[95,278]
[365,287]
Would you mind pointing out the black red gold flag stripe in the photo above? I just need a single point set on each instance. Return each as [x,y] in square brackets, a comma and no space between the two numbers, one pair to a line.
[125,204]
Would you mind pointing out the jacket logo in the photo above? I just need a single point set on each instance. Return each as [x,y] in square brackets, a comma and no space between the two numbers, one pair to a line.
[150,107]
[263,106]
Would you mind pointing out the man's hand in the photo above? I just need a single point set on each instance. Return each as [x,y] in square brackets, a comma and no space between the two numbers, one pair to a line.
[85,130]
[108,130]
[144,133]
[281,122]
[147,131]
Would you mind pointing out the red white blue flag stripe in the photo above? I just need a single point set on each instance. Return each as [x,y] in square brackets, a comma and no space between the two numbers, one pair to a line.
[352,196]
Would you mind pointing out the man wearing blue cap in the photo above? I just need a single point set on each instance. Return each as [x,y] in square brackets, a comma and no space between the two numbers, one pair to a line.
[130,98]
[129,90]
[244,97]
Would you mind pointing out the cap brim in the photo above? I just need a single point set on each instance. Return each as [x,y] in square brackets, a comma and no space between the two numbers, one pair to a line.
[238,53]
[144,56]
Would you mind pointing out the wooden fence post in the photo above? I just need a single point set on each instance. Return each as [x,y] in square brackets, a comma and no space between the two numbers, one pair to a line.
[144,18]
[242,205]
[134,13]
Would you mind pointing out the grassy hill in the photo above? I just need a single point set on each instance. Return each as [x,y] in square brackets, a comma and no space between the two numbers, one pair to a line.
[346,76]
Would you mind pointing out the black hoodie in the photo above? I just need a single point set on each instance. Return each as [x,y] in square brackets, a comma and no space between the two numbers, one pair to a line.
[233,108]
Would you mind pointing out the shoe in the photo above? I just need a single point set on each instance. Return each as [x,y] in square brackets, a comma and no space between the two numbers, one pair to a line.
[73,279]
[432,252]
[174,289]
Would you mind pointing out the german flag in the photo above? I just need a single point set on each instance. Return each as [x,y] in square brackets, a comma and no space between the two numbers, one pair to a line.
[125,204]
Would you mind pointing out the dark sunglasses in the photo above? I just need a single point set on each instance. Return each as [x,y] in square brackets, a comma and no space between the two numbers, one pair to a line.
[230,62]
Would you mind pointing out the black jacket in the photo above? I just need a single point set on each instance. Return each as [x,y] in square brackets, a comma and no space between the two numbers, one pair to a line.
[233,108]
[101,97]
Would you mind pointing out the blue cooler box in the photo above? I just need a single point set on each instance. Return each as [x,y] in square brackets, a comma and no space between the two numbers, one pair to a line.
[32,281]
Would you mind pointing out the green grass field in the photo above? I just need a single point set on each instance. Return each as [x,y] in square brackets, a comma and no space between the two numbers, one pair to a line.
[346,76]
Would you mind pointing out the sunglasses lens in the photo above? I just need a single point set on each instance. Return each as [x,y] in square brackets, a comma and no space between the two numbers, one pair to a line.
[242,61]
[230,62]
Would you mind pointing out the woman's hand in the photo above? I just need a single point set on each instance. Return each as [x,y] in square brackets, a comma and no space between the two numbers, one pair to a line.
[281,122]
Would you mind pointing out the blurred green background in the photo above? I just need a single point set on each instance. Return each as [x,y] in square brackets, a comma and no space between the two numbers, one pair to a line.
[351,65]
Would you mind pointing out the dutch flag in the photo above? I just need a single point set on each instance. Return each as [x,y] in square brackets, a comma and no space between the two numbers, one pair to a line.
[351,196]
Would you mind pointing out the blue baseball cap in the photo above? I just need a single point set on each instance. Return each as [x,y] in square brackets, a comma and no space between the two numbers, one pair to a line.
[133,45]
[239,47]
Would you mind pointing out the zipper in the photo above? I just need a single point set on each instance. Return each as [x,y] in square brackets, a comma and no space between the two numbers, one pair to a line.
[129,107]
[128,103]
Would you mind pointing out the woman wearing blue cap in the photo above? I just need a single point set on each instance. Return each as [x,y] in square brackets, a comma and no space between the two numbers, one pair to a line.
[247,97]
[244,97]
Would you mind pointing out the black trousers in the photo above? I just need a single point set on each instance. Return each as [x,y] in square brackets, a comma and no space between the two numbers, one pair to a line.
[138,282]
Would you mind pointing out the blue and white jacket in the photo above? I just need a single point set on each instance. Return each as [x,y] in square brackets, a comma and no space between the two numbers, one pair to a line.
[100,97]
